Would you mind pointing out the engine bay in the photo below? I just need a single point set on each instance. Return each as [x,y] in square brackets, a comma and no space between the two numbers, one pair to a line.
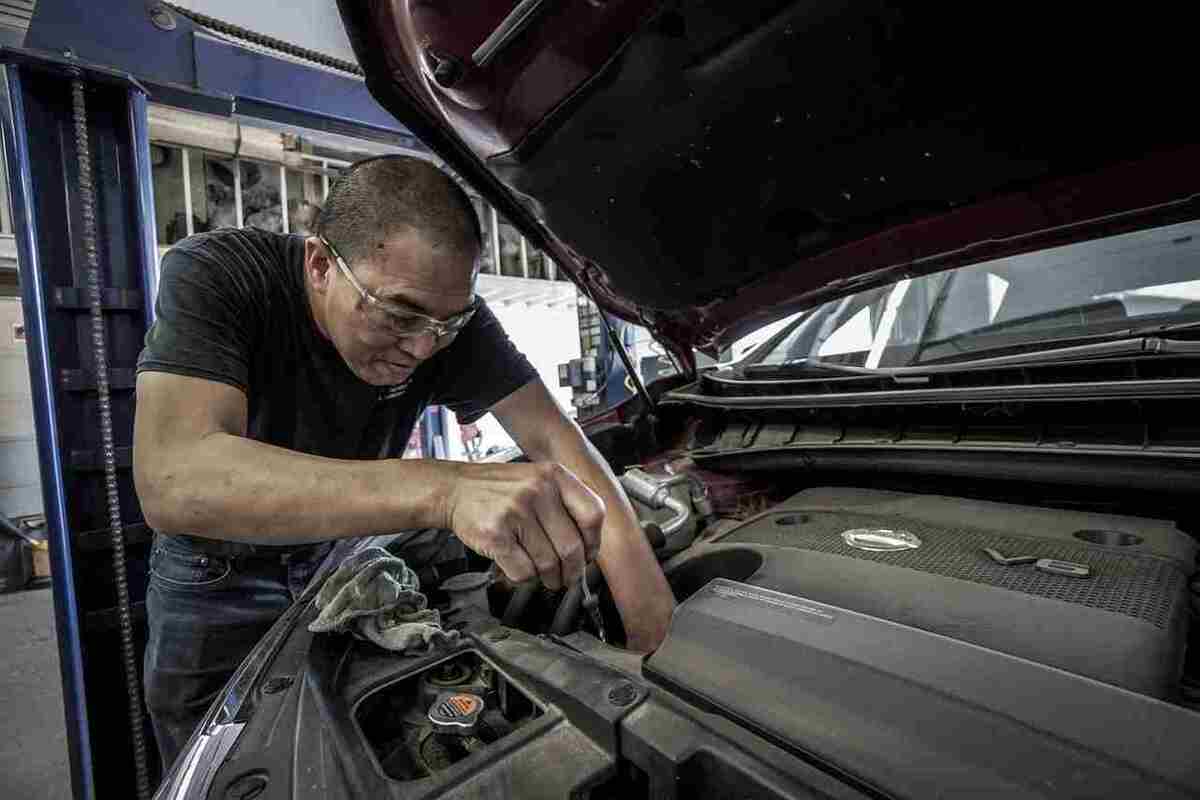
[1100,595]
[830,640]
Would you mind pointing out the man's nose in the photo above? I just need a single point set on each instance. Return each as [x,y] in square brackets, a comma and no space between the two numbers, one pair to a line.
[421,346]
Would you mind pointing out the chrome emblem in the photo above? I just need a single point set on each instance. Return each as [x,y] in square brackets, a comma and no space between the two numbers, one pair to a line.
[880,540]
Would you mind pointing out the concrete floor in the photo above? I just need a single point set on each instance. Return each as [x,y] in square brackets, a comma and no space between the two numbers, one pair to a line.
[33,739]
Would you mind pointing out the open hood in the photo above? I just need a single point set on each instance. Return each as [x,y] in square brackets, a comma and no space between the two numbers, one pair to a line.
[703,168]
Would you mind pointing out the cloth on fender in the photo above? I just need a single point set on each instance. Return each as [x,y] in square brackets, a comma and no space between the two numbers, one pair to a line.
[377,597]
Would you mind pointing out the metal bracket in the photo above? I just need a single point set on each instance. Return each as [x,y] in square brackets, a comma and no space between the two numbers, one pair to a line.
[1008,561]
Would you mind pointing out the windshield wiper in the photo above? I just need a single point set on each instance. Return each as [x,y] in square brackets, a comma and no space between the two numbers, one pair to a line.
[1162,339]
[1118,344]
[1150,340]
[806,367]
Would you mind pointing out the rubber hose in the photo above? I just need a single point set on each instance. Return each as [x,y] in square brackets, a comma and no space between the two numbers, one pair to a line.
[572,602]
[518,603]
[87,202]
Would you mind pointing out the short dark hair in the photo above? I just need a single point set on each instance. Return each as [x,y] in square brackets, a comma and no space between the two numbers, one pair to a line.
[376,198]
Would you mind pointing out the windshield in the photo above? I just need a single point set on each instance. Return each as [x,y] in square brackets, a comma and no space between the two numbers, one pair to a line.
[1137,279]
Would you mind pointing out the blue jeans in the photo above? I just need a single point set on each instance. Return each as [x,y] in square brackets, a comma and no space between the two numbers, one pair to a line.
[207,611]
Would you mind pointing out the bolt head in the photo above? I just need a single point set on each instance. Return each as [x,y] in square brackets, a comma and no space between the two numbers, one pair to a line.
[162,18]
[277,684]
[247,787]
[622,694]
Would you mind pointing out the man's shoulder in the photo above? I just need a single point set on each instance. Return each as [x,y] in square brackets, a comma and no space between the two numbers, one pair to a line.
[238,246]
[245,266]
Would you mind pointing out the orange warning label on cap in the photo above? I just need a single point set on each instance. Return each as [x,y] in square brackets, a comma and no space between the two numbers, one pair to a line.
[464,704]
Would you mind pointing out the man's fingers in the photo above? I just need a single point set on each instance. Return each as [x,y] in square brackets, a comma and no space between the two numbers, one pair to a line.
[545,558]
[533,520]
[565,537]
[585,507]
[516,565]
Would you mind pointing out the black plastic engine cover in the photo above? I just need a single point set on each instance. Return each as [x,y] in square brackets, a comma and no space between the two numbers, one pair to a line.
[916,714]
[1124,625]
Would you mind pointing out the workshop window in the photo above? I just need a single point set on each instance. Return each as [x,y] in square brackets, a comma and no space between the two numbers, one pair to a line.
[305,196]
[487,259]
[537,263]
[170,204]
[510,251]
[262,206]
[221,192]
[196,192]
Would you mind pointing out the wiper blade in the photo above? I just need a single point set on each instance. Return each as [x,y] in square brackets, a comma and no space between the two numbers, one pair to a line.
[1127,341]
[807,367]
[1131,347]
[1138,345]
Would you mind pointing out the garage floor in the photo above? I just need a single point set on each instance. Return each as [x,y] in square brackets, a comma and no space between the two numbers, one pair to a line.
[33,739]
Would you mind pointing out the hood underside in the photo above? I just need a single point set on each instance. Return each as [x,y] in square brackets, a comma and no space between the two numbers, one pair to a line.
[702,168]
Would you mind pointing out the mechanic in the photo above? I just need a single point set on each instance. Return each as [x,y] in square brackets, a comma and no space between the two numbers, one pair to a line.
[276,391]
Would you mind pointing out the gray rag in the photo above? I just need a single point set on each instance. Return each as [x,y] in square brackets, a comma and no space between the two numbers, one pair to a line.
[375,596]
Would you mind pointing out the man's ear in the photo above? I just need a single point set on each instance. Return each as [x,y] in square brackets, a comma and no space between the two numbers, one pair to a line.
[318,268]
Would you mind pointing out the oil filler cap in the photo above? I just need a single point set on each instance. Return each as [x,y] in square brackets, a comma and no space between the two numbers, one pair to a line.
[456,712]
[880,540]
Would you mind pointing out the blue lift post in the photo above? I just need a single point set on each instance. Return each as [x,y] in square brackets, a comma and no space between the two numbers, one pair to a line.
[36,109]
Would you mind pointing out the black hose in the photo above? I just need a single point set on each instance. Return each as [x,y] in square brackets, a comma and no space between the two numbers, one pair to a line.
[87,202]
[572,602]
[518,603]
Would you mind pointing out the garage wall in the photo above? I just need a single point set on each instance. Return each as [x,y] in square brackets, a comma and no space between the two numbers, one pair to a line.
[20,483]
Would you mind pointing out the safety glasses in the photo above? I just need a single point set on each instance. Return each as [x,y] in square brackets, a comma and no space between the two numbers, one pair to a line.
[388,317]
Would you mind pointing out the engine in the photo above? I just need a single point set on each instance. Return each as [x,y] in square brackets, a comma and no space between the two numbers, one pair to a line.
[929,644]
[1096,595]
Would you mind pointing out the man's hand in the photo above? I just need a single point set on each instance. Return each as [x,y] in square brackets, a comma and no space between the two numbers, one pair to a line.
[634,577]
[533,520]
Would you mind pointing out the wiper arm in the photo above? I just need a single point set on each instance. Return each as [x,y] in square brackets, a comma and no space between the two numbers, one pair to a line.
[1130,341]
[1165,328]
[1129,347]
[1148,341]
[802,367]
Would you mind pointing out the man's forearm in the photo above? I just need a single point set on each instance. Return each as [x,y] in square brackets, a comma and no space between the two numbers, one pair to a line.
[231,487]
[636,581]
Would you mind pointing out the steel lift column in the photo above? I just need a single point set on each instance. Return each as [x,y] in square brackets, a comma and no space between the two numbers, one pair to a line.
[77,146]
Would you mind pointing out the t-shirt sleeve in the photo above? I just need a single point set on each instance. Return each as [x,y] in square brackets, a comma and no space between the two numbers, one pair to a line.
[482,367]
[203,322]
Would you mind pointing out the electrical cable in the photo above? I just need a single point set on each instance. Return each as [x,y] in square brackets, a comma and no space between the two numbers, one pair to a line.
[87,202]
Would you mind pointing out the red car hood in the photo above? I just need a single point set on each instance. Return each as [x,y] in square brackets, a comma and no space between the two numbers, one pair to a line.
[702,168]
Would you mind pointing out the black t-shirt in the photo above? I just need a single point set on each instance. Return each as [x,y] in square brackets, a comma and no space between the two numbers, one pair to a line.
[232,307]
